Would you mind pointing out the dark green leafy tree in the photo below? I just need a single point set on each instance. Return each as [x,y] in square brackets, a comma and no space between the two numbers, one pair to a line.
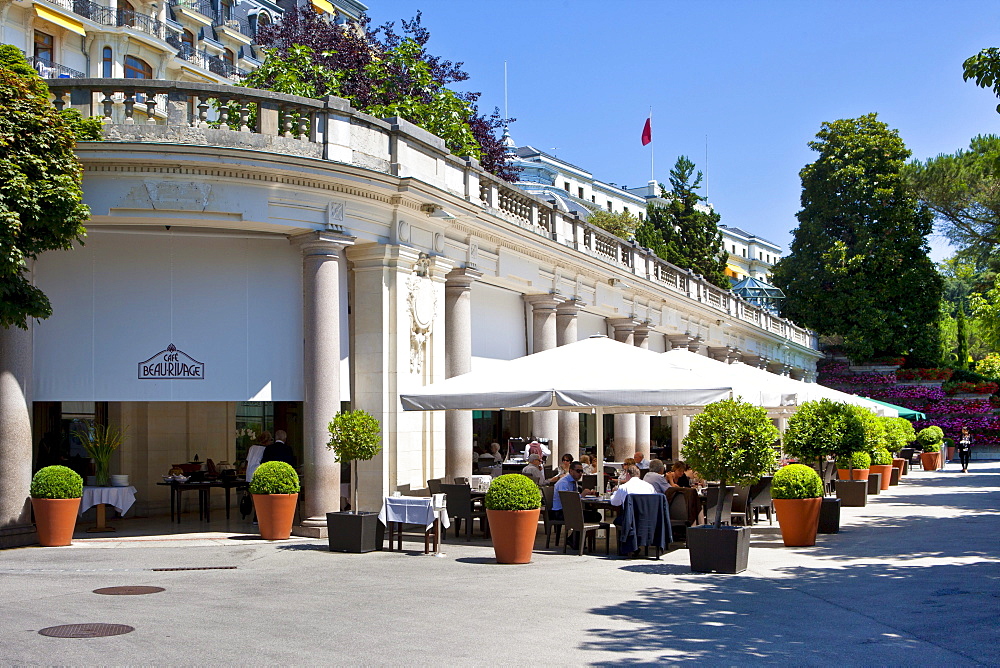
[730,441]
[859,264]
[962,189]
[41,200]
[685,232]
[815,431]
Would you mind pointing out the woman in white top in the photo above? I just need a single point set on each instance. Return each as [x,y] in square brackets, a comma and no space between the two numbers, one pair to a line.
[256,453]
[587,468]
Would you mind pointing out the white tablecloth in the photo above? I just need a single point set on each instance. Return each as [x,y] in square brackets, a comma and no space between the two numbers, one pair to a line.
[414,510]
[121,498]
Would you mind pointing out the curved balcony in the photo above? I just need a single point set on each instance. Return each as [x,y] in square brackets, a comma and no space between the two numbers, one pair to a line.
[215,115]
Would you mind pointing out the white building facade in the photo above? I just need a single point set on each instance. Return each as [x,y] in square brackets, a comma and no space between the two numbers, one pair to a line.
[303,266]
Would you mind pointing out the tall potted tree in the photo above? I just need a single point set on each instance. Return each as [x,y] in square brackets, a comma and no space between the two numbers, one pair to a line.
[814,433]
[275,491]
[55,499]
[797,494]
[513,504]
[354,436]
[858,438]
[730,441]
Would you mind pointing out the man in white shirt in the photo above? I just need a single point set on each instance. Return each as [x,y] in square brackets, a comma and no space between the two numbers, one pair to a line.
[632,484]
[640,461]
[541,448]
[534,470]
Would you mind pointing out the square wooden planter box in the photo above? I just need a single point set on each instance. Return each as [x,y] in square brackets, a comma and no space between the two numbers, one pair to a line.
[723,550]
[852,493]
[354,532]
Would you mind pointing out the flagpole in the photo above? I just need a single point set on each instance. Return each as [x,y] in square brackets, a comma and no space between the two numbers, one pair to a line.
[652,171]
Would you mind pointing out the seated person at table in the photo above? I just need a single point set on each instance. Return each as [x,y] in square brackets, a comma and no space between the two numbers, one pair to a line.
[587,468]
[564,463]
[631,484]
[655,476]
[678,477]
[640,461]
[571,483]
[534,470]
[495,453]
[629,461]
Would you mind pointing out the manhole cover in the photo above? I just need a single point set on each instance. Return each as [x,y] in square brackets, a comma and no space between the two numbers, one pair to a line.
[128,591]
[86,630]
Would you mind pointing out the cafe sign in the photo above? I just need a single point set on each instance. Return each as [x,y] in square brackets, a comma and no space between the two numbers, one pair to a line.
[171,364]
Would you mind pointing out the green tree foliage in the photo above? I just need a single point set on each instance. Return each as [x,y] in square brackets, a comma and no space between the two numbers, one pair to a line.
[984,68]
[41,200]
[383,73]
[815,430]
[685,232]
[730,441]
[962,338]
[962,189]
[859,264]
[355,436]
[986,309]
[622,224]
[899,433]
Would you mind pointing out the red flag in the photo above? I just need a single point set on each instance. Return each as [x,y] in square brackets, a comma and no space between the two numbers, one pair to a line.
[647,132]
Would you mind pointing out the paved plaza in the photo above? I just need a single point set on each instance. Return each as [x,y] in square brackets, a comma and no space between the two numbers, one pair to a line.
[913,578]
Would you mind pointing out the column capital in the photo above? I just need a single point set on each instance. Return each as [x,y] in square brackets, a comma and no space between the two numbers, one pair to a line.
[325,242]
[642,330]
[438,267]
[722,353]
[689,341]
[370,256]
[544,302]
[623,324]
[570,307]
[461,278]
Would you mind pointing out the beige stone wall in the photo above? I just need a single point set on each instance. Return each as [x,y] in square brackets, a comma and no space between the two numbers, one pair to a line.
[165,433]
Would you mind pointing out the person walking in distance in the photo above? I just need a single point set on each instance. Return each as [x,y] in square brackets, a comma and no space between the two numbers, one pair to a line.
[965,448]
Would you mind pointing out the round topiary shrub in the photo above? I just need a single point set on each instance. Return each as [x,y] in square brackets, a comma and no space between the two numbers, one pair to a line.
[56,482]
[857,460]
[513,492]
[881,457]
[796,481]
[274,478]
[930,439]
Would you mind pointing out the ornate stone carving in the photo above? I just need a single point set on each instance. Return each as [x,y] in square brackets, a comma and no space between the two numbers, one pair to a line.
[421,299]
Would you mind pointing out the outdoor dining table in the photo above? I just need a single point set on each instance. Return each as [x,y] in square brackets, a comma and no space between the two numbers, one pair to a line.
[121,498]
[428,512]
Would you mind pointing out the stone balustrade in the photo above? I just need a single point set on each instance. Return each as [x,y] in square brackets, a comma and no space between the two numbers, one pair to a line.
[143,110]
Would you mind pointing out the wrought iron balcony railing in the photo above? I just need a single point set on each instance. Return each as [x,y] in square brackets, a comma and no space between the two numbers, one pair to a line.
[207,9]
[50,70]
[115,17]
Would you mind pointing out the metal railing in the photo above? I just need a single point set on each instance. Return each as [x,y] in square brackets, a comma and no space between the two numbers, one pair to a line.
[207,9]
[206,60]
[115,17]
[50,70]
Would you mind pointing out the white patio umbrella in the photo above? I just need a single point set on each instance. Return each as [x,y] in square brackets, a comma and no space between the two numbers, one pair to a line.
[764,388]
[596,375]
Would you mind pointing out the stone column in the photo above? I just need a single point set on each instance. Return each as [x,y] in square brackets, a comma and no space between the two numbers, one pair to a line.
[641,340]
[545,424]
[321,257]
[679,424]
[566,332]
[16,353]
[458,360]
[624,442]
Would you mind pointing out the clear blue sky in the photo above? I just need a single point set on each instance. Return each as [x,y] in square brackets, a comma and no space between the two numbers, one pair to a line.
[757,78]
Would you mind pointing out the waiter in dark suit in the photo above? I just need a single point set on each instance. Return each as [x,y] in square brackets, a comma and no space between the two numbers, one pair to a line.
[279,451]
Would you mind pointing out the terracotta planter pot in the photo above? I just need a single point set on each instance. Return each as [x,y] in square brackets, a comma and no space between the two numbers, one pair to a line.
[929,460]
[886,471]
[513,533]
[799,520]
[859,474]
[951,453]
[901,465]
[275,513]
[55,520]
